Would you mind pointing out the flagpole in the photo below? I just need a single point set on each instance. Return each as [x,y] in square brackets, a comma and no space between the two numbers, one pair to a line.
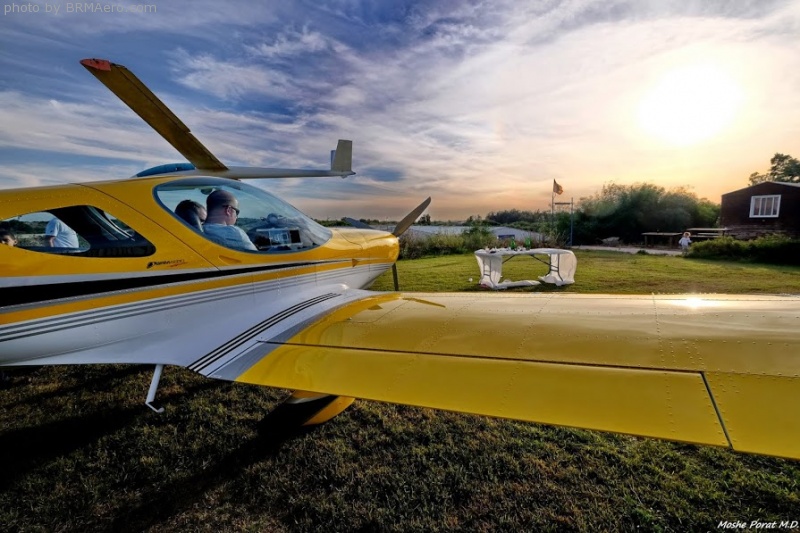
[552,212]
[552,215]
[558,189]
[571,219]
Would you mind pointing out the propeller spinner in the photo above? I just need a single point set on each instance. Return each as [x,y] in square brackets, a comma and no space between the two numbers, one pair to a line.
[399,229]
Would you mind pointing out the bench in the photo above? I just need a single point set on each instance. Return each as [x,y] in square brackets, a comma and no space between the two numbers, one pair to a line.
[706,236]
[707,233]
[651,236]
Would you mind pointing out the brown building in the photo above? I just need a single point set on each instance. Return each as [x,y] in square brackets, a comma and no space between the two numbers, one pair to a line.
[762,209]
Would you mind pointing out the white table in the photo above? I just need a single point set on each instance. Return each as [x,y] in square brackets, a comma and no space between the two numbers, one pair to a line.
[490,262]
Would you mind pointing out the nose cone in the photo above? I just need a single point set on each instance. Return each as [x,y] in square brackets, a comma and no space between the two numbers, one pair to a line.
[377,246]
[382,245]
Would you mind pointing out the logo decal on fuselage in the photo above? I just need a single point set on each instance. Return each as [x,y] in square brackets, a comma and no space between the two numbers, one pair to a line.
[172,263]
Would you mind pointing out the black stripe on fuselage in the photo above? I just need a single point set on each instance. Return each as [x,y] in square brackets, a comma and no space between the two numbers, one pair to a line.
[204,362]
[31,294]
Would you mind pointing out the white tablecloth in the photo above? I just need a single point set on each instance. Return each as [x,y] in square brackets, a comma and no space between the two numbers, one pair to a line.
[562,267]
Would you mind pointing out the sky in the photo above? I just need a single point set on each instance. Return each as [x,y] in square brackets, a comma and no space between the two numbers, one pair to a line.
[478,104]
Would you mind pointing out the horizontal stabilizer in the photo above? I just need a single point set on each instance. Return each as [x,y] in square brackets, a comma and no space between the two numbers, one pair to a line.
[147,105]
[344,151]
[246,173]
[144,103]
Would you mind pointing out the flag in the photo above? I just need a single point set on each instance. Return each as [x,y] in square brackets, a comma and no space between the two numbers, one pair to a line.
[558,189]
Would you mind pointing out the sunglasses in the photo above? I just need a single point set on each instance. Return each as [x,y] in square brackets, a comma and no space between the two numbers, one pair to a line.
[235,209]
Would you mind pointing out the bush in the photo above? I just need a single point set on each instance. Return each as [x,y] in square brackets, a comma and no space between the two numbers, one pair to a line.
[476,237]
[774,249]
[444,244]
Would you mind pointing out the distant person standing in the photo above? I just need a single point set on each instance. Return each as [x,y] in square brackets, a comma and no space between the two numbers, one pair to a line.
[59,235]
[685,241]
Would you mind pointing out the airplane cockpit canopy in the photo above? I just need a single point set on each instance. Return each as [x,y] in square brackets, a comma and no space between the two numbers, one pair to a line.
[271,224]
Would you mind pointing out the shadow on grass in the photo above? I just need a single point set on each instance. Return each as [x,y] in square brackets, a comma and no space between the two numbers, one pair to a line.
[24,449]
[99,382]
[175,498]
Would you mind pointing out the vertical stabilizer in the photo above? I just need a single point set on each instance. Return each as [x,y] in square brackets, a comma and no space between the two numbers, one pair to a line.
[342,157]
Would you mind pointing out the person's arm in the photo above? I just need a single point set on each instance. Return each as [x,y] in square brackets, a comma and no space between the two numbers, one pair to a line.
[247,244]
[50,233]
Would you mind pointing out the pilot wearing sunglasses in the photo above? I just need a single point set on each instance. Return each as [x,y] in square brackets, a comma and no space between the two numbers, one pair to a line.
[223,212]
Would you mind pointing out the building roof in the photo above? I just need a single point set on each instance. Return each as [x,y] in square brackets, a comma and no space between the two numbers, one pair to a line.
[764,183]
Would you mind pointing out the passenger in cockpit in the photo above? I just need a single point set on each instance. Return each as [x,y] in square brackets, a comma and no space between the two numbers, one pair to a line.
[59,235]
[192,212]
[7,238]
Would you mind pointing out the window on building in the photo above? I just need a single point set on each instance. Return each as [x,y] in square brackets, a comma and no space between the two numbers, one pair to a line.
[765,206]
[80,230]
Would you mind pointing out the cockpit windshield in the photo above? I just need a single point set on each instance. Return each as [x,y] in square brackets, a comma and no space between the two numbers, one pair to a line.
[240,216]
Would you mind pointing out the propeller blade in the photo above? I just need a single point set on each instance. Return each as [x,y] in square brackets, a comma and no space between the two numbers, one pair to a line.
[404,224]
[356,223]
[401,228]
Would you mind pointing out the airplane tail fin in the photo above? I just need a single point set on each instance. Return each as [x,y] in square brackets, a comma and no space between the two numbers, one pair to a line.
[342,157]
[136,95]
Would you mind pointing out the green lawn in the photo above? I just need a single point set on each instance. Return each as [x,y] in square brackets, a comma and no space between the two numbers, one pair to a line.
[80,452]
[604,272]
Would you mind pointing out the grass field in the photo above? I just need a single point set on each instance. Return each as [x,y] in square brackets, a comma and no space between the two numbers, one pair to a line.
[80,452]
[605,272]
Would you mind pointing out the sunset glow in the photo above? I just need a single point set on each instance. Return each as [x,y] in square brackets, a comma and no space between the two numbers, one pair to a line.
[691,104]
[479,105]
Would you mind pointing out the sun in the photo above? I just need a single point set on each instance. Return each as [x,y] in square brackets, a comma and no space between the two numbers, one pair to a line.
[691,104]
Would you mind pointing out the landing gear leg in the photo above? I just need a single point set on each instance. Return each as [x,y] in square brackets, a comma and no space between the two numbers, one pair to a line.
[151,394]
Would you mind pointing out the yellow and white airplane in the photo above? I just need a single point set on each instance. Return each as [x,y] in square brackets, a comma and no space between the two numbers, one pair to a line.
[108,272]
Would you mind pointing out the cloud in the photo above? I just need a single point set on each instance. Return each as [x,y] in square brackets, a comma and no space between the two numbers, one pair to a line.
[115,18]
[292,43]
[476,103]
[225,79]
[58,126]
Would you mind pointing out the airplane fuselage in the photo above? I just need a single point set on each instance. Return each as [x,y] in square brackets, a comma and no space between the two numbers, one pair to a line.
[132,292]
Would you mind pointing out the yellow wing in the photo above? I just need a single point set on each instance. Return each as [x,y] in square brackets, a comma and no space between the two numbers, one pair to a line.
[719,370]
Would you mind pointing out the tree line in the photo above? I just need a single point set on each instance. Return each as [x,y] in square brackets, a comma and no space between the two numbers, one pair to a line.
[624,211]
[627,211]
[783,168]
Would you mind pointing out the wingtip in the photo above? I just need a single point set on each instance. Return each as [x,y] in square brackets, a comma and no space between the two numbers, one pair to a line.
[97,64]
